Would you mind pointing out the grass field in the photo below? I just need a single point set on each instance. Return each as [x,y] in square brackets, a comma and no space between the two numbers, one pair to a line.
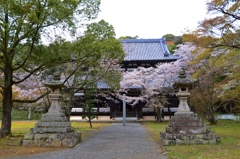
[228,131]
[9,146]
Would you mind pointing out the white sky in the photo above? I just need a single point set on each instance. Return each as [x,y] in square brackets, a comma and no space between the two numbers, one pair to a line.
[152,18]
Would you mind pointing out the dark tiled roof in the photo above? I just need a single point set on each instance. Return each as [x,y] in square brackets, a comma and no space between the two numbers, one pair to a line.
[102,85]
[147,49]
[144,50]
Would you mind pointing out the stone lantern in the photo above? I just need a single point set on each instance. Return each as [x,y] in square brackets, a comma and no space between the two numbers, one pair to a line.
[55,85]
[185,128]
[183,86]
[53,129]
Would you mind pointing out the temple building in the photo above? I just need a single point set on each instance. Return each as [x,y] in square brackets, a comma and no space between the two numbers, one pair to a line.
[139,52]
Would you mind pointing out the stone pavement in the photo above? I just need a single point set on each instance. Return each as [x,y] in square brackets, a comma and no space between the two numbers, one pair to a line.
[113,142]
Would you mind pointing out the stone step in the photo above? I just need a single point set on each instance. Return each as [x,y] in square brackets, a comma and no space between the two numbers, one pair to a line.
[187,130]
[127,118]
[186,123]
[54,119]
[52,130]
[52,124]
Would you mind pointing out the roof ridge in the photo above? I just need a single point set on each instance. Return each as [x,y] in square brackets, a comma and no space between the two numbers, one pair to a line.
[159,40]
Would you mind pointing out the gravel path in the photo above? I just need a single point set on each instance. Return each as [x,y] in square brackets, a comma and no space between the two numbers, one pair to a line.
[113,142]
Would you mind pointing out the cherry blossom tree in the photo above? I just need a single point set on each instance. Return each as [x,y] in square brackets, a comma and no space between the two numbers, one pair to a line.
[156,82]
[31,94]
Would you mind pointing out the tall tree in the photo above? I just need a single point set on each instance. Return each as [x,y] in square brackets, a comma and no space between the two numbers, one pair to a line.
[173,42]
[89,104]
[206,77]
[218,41]
[222,23]
[213,69]
[129,37]
[225,25]
[23,27]
[96,56]
[169,37]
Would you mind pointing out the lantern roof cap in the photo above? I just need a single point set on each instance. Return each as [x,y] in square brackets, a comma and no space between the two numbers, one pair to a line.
[182,80]
[55,83]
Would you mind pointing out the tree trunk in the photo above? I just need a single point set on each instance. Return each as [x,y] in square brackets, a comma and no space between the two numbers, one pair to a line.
[90,122]
[210,116]
[169,111]
[159,114]
[7,102]
[90,117]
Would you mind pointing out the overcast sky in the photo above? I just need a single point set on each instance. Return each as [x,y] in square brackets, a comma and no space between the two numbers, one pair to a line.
[152,18]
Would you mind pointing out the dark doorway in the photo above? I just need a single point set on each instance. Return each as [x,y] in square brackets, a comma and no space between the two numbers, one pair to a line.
[128,107]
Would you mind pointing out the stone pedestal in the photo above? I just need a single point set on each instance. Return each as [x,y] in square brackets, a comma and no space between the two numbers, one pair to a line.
[185,127]
[53,129]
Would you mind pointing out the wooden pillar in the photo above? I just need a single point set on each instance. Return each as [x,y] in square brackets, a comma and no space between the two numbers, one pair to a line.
[112,111]
[139,110]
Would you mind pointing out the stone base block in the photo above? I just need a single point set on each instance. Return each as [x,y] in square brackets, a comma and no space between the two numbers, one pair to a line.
[188,129]
[42,130]
[53,123]
[52,139]
[188,139]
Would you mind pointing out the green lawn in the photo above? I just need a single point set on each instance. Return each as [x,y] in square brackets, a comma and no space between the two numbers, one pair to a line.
[9,146]
[228,131]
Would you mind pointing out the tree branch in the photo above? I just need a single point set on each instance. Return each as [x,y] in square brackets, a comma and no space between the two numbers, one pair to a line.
[31,101]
